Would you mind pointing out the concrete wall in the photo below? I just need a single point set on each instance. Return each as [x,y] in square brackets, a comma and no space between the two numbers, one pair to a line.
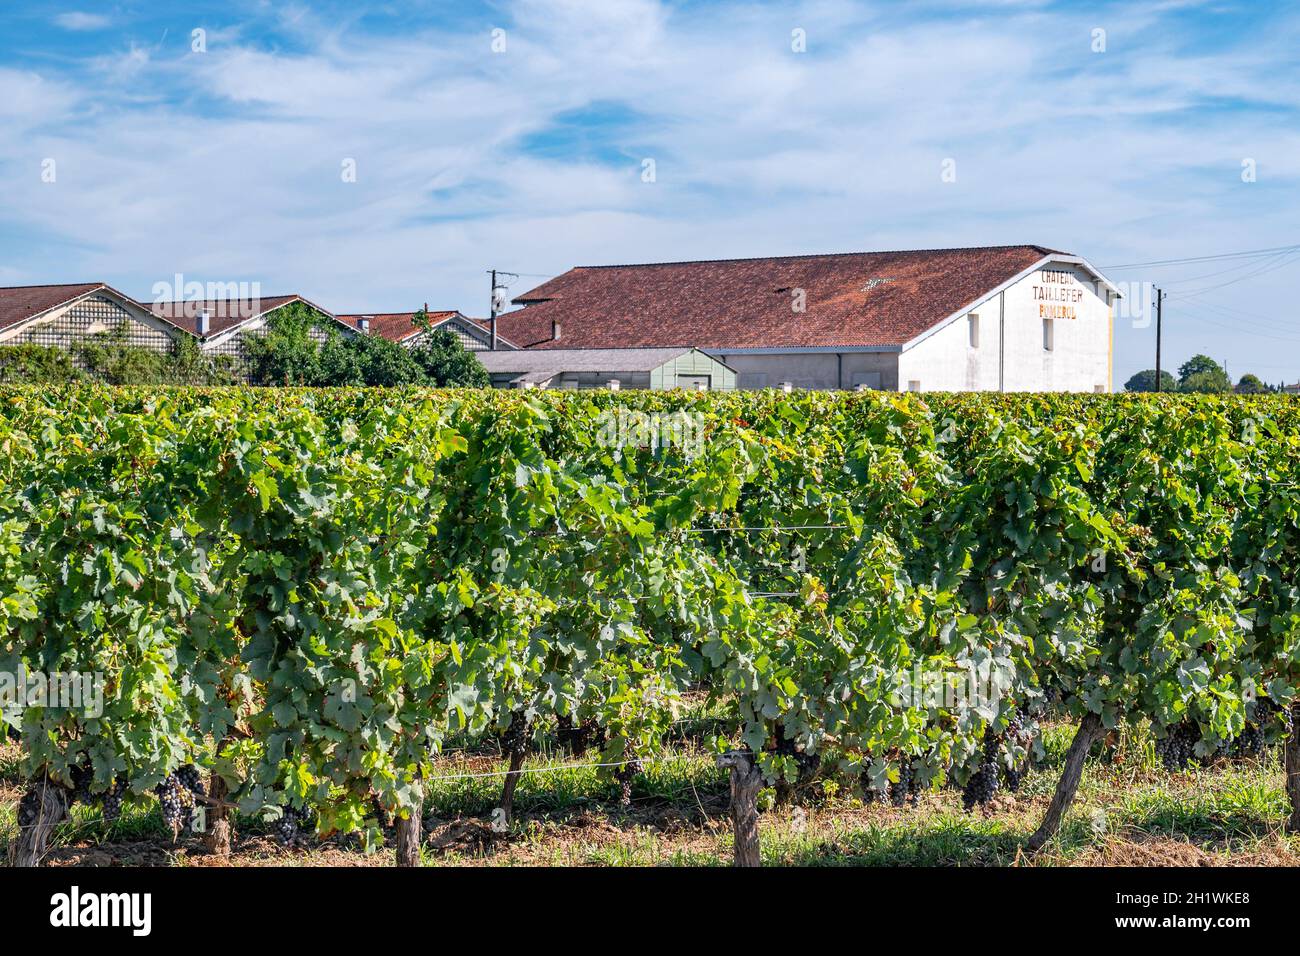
[819,370]
[1079,310]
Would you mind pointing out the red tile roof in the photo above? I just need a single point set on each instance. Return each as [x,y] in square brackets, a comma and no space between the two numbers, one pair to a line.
[223,314]
[397,326]
[851,299]
[18,303]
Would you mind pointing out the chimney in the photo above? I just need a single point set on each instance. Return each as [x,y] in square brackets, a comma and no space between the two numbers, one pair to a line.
[202,322]
[555,330]
[363,323]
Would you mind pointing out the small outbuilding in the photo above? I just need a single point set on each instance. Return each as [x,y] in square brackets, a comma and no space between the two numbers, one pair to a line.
[601,368]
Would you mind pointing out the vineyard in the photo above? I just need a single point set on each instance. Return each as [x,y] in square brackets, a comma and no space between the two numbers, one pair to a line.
[301,605]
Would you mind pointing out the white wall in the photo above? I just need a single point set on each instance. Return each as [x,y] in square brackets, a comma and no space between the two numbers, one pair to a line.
[1079,361]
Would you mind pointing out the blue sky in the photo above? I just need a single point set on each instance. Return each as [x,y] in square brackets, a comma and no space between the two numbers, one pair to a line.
[226,164]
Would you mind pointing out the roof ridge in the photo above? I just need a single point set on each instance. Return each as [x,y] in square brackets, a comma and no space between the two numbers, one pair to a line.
[291,295]
[1045,250]
[53,285]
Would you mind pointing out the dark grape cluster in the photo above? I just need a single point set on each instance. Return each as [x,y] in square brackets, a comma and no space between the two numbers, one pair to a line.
[112,799]
[870,794]
[177,802]
[189,777]
[82,776]
[294,822]
[1248,743]
[625,775]
[1018,730]
[579,738]
[983,784]
[515,737]
[908,789]
[1177,748]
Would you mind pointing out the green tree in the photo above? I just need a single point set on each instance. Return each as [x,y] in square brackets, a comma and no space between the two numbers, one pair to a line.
[1202,365]
[1252,385]
[1208,382]
[29,363]
[1145,381]
[447,363]
[367,360]
[285,353]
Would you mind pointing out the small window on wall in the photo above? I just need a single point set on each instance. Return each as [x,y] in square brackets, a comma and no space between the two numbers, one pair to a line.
[973,321]
[1049,335]
[914,385]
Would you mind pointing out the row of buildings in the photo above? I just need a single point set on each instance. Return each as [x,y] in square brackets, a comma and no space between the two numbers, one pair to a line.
[997,318]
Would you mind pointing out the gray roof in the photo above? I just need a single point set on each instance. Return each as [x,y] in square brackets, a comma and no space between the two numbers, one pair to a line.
[548,363]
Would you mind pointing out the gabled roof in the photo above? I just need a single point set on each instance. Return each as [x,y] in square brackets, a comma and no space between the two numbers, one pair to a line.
[866,299]
[225,314]
[19,303]
[397,326]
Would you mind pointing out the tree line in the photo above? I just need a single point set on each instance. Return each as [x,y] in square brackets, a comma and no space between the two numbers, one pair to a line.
[288,351]
[1199,375]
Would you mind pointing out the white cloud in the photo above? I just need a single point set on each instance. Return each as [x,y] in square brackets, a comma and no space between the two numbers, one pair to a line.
[82,21]
[226,165]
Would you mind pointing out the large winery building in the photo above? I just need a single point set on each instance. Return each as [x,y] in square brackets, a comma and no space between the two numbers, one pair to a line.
[999,318]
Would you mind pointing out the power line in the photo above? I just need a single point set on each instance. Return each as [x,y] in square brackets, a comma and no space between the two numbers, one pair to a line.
[1225,255]
[1272,265]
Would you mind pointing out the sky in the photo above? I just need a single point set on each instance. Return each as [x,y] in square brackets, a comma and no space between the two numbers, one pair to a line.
[374,157]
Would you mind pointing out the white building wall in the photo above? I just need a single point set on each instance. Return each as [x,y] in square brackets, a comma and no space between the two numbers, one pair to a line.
[1079,310]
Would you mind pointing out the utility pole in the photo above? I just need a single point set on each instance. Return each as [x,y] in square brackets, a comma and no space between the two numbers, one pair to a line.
[492,322]
[1160,301]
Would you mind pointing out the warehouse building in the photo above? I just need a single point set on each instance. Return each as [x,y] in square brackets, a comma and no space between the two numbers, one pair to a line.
[69,315]
[998,318]
[222,326]
[607,368]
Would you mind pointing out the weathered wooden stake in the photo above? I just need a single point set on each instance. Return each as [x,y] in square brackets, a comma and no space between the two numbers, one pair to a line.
[517,741]
[512,781]
[1291,762]
[219,836]
[1089,730]
[746,781]
[30,845]
[410,832]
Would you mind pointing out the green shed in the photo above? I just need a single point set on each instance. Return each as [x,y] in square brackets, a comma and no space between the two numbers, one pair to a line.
[661,368]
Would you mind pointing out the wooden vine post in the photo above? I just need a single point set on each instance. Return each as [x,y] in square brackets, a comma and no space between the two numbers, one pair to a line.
[46,806]
[746,781]
[1291,761]
[517,745]
[410,830]
[218,836]
[1090,729]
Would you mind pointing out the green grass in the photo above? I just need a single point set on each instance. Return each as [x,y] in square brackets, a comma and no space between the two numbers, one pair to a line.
[1128,811]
